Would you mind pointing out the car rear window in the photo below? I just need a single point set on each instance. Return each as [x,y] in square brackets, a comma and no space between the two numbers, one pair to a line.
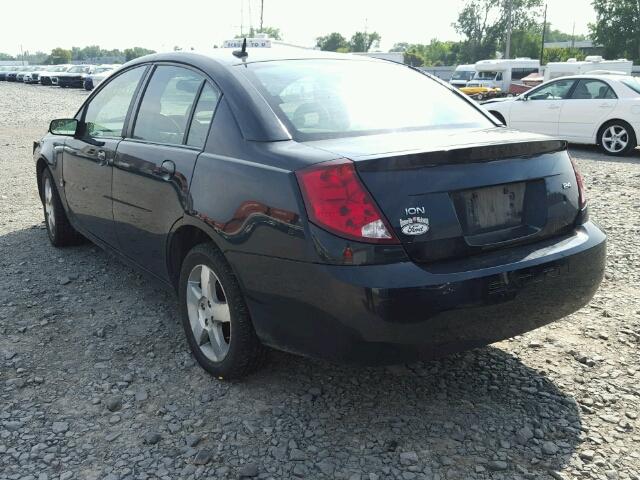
[332,98]
[633,83]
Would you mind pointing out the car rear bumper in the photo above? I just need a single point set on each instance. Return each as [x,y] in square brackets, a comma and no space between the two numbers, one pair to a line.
[383,314]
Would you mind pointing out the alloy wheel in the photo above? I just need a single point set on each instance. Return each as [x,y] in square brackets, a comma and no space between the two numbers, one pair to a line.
[209,313]
[615,139]
[48,205]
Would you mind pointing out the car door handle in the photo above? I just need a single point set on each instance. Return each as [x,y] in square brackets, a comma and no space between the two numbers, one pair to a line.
[168,168]
[102,157]
[606,105]
[554,107]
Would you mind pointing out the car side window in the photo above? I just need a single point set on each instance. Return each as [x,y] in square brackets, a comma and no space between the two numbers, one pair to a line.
[166,105]
[588,89]
[554,91]
[202,116]
[107,111]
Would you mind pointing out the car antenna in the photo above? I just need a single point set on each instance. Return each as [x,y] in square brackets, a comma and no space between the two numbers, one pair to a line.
[243,52]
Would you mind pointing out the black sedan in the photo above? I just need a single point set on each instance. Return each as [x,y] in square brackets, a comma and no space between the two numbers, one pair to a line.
[329,205]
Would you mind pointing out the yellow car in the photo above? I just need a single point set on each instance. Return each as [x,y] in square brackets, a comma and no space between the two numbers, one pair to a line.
[480,93]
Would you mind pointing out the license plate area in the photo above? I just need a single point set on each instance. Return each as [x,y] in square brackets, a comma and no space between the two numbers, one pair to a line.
[501,213]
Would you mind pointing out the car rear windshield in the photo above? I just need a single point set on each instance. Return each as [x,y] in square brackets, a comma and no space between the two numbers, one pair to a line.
[633,83]
[320,99]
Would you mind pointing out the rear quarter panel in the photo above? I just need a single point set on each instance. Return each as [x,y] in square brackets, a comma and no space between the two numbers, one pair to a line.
[246,191]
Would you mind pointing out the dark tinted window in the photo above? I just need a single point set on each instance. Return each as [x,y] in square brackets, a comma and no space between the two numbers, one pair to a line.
[592,90]
[520,73]
[106,113]
[202,116]
[332,98]
[166,105]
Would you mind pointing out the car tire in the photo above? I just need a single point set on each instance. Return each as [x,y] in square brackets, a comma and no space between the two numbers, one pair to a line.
[215,317]
[617,138]
[59,229]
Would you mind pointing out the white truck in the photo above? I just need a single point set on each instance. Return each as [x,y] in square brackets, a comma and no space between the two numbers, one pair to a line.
[501,73]
[590,64]
[462,75]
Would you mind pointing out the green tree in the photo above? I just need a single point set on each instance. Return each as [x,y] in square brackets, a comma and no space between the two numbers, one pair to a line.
[135,52]
[555,35]
[93,51]
[561,54]
[617,27]
[413,57]
[6,56]
[77,54]
[362,41]
[526,43]
[332,42]
[59,55]
[400,47]
[483,23]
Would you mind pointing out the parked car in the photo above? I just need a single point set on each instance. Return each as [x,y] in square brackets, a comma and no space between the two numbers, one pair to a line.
[482,93]
[12,74]
[98,75]
[24,72]
[34,76]
[591,109]
[73,77]
[294,200]
[3,72]
[46,78]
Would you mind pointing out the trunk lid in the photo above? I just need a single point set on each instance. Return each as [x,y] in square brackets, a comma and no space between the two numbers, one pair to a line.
[450,193]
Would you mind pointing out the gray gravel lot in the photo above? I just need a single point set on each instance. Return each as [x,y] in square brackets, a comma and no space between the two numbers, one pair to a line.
[96,380]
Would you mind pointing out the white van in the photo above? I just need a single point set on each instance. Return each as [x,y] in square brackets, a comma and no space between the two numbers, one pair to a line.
[502,73]
[462,75]
[590,64]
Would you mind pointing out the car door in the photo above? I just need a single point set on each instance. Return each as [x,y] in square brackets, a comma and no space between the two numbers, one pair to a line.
[153,168]
[588,107]
[538,111]
[88,157]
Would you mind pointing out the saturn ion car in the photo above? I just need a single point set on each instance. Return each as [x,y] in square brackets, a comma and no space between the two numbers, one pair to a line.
[593,109]
[328,205]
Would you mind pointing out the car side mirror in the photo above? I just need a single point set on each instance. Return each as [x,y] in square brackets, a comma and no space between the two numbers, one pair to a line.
[524,98]
[64,126]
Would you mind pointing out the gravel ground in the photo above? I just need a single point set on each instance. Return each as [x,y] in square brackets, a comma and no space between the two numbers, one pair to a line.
[96,380]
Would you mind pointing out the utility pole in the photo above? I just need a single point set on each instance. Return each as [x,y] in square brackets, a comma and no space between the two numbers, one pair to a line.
[507,50]
[544,31]
[261,14]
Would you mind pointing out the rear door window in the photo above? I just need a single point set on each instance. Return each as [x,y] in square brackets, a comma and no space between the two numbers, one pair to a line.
[166,106]
[202,116]
[588,89]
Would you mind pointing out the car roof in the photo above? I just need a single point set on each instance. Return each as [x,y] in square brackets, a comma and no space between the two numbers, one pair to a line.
[224,56]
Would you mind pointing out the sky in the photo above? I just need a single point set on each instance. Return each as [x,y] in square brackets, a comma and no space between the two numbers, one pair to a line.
[161,25]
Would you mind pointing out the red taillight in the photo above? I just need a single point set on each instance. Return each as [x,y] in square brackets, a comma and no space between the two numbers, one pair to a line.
[337,201]
[582,196]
